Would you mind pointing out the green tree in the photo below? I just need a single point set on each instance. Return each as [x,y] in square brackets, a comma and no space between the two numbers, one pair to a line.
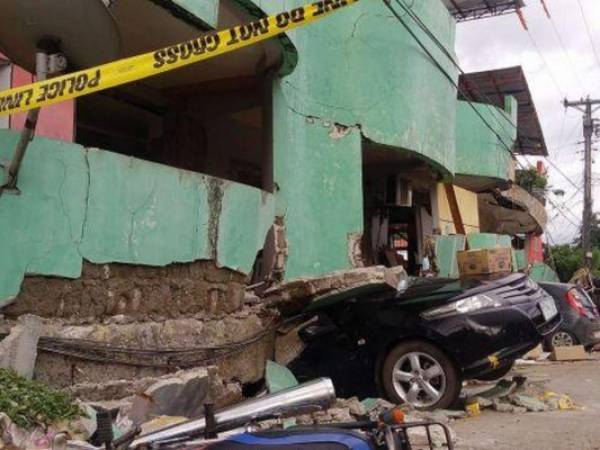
[567,259]
[530,178]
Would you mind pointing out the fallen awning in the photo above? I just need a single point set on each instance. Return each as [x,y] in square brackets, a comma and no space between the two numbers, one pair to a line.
[464,10]
[512,211]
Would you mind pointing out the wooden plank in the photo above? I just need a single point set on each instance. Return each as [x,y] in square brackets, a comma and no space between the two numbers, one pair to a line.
[454,209]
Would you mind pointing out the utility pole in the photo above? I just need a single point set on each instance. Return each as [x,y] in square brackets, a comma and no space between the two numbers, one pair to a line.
[586,107]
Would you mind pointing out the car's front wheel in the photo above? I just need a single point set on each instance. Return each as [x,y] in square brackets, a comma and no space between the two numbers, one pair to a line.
[419,373]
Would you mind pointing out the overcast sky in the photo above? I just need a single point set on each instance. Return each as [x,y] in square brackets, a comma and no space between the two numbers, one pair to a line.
[569,69]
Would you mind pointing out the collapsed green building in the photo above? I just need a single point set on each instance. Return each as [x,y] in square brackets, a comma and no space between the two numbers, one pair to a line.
[322,150]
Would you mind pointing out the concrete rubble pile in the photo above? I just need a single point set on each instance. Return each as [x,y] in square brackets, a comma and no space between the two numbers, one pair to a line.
[517,395]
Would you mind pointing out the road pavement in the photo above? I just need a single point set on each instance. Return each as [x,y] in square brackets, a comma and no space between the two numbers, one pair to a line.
[578,429]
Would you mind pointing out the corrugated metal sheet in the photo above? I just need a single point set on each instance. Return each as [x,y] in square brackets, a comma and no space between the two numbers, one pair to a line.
[478,9]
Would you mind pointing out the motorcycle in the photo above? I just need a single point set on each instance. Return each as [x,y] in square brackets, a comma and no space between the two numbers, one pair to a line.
[238,427]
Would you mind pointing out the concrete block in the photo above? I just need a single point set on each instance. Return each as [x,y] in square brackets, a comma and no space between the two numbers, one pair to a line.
[18,351]
[182,396]
[571,353]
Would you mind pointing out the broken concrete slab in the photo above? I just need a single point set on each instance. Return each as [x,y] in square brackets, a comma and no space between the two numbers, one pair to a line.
[18,351]
[279,378]
[354,405]
[500,390]
[530,403]
[182,396]
[293,296]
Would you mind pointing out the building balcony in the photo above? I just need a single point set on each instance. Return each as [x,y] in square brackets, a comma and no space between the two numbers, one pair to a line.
[504,125]
[80,203]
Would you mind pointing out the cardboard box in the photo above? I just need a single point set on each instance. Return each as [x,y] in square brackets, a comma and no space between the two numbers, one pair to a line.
[484,262]
[570,353]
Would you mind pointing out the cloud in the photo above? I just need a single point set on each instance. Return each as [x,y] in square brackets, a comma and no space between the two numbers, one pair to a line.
[563,64]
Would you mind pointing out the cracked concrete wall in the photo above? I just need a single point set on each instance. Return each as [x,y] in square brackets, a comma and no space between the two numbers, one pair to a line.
[360,67]
[359,71]
[87,204]
[481,152]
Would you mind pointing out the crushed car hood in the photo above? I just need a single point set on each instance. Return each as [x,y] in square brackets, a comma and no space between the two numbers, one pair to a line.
[412,288]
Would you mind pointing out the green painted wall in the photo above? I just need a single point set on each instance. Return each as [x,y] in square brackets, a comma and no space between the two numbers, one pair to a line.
[205,10]
[319,181]
[543,272]
[100,206]
[479,150]
[361,69]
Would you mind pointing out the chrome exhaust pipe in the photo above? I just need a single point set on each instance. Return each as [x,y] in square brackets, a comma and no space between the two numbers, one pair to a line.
[307,398]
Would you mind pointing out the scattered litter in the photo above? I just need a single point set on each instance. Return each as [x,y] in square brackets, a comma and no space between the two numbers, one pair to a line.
[518,395]
[530,403]
[160,423]
[473,409]
[558,401]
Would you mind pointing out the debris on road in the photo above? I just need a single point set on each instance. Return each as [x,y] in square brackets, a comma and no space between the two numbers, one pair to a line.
[518,396]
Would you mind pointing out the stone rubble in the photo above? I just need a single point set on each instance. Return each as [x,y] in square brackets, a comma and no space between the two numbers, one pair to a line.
[18,351]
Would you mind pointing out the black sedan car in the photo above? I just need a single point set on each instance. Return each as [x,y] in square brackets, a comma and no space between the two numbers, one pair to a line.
[581,321]
[418,343]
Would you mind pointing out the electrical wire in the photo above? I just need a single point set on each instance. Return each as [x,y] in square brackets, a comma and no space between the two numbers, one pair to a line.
[589,34]
[562,173]
[437,64]
[423,26]
[545,63]
[564,50]
[448,54]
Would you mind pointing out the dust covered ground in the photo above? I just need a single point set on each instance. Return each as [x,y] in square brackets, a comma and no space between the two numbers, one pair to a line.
[556,430]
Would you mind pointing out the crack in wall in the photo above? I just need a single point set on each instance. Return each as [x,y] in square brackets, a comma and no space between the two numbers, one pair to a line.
[86,200]
[132,224]
[215,192]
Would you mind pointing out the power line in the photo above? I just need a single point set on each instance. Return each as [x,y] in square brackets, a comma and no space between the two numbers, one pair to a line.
[562,173]
[423,26]
[564,49]
[426,29]
[545,63]
[445,51]
[589,34]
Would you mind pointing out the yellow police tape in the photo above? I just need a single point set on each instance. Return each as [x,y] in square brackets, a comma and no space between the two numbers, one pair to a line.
[84,82]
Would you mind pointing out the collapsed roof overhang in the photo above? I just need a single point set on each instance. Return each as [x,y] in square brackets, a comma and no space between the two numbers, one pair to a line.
[512,211]
[464,10]
[492,87]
